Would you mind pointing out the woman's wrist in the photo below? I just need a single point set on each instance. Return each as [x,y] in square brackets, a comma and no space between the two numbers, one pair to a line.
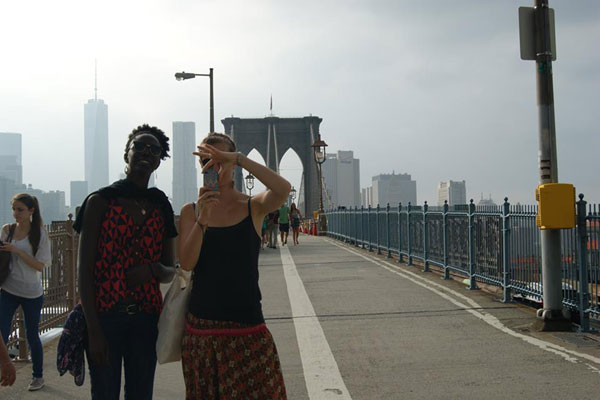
[201,225]
[238,158]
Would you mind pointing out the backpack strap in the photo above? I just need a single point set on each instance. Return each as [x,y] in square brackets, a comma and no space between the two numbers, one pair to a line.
[11,232]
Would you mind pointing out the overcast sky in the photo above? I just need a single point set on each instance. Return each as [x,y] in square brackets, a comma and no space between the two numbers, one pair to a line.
[433,88]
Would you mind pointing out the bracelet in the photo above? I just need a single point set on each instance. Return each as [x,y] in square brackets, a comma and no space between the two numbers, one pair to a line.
[238,159]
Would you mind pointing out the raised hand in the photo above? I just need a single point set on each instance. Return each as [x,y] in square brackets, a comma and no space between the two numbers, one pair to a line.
[216,158]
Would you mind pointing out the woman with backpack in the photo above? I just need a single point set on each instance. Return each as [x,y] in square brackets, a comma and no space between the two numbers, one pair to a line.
[28,243]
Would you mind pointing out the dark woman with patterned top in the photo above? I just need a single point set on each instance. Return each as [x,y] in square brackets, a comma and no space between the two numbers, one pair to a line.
[227,350]
[126,251]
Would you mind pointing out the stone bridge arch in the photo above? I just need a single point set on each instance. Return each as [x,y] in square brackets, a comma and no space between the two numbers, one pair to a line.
[272,137]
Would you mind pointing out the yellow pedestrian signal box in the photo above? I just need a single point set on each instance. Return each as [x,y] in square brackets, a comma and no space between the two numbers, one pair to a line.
[556,206]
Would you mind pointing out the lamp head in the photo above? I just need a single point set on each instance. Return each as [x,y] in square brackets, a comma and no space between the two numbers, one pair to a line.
[181,76]
[319,150]
[249,181]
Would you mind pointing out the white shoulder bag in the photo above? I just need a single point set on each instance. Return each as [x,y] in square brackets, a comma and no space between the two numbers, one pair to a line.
[171,323]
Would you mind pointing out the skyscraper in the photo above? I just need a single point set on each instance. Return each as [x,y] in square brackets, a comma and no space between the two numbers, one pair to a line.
[394,188]
[185,178]
[455,192]
[79,190]
[341,173]
[95,114]
[11,166]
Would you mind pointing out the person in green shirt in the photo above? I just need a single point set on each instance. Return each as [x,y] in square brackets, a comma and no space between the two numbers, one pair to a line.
[284,222]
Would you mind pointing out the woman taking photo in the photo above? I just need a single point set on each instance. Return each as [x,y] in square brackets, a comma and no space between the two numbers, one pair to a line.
[126,250]
[30,250]
[227,351]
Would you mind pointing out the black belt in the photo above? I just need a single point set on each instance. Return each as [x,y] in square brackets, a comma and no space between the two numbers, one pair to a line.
[130,309]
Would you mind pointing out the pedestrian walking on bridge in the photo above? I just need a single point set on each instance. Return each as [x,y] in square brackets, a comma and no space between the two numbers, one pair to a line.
[295,218]
[284,223]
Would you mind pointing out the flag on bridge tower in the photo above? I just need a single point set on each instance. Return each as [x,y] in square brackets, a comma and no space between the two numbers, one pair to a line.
[271,105]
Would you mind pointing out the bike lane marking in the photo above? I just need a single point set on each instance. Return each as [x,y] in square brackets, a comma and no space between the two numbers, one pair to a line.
[321,372]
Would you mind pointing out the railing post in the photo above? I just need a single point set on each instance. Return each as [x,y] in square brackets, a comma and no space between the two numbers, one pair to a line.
[369,228]
[362,226]
[387,230]
[333,221]
[425,238]
[347,225]
[344,222]
[399,232]
[506,250]
[355,215]
[334,215]
[584,317]
[343,226]
[339,215]
[408,234]
[445,227]
[337,233]
[377,227]
[472,283]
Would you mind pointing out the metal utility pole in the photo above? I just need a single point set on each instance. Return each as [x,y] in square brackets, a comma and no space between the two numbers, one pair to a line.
[551,316]
[212,105]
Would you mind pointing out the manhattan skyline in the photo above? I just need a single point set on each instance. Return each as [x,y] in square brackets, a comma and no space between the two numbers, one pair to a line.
[434,90]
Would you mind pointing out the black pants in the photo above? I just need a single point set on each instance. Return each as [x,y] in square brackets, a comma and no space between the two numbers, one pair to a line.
[132,342]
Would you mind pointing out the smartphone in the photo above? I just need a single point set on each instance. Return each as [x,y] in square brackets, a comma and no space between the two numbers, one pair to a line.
[211,179]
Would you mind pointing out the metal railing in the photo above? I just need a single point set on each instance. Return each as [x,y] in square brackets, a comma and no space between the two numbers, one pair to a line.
[495,245]
[59,284]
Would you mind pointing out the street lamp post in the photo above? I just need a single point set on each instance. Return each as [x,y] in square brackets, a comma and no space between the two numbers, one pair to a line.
[249,183]
[293,194]
[181,76]
[320,156]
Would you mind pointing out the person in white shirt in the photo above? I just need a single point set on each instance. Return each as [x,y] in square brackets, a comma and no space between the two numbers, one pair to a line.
[30,252]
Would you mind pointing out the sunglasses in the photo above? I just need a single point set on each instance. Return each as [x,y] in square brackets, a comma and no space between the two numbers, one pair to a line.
[204,161]
[154,149]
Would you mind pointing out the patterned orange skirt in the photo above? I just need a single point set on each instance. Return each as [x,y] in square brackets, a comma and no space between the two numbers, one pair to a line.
[227,360]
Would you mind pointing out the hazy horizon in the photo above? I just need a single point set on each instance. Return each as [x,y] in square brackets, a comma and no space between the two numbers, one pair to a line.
[436,90]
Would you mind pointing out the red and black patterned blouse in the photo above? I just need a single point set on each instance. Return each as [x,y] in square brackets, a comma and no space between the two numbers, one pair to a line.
[121,245]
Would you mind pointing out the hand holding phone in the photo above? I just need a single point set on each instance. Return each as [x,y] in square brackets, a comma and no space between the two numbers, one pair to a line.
[211,179]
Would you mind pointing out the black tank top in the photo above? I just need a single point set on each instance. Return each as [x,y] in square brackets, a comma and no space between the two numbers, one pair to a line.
[225,284]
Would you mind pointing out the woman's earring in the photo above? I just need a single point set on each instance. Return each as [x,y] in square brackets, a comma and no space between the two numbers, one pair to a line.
[127,170]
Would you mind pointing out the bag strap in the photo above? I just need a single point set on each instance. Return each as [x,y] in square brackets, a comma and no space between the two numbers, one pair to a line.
[11,232]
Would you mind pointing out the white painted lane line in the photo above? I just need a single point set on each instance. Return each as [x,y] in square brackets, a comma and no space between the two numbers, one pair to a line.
[321,373]
[567,354]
